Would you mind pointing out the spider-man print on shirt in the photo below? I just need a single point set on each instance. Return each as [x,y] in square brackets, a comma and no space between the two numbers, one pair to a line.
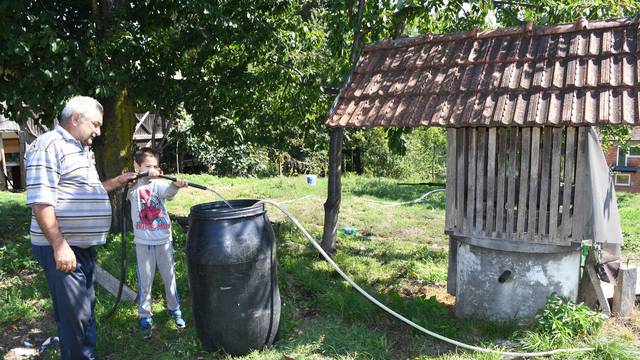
[152,211]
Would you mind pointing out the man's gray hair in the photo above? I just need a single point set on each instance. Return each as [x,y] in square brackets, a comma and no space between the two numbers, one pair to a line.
[83,105]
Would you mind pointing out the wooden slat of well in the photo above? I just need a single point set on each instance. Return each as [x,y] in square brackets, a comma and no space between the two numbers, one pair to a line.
[460,179]
[491,180]
[533,184]
[501,178]
[545,177]
[450,195]
[580,202]
[514,144]
[471,182]
[525,157]
[567,198]
[481,147]
[554,191]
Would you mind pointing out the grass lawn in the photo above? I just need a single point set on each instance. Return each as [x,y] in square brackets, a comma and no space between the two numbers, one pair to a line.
[399,255]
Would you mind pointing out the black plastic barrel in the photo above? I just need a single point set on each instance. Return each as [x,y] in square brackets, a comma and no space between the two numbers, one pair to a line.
[231,256]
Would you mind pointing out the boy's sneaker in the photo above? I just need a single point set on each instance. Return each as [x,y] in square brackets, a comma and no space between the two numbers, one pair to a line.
[146,324]
[177,317]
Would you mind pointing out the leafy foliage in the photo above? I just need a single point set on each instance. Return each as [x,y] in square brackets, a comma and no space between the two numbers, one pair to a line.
[563,322]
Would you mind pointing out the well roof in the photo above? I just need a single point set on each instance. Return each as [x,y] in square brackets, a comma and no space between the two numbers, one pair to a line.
[585,73]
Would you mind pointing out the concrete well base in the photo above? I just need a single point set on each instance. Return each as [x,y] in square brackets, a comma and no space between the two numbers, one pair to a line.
[508,285]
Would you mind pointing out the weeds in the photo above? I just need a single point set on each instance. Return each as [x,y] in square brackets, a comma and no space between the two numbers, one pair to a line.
[564,324]
[563,321]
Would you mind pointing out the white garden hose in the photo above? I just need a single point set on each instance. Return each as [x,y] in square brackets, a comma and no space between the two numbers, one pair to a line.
[404,319]
[422,198]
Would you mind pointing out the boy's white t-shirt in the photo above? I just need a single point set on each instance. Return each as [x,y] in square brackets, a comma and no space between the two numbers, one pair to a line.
[151,223]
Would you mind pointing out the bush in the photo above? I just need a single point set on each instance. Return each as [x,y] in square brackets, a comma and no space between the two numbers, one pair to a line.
[563,320]
[425,157]
[562,323]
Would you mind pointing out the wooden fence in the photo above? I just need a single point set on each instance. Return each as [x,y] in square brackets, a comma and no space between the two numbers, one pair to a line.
[518,183]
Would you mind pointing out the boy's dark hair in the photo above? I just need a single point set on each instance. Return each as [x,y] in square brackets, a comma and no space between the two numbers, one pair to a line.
[142,153]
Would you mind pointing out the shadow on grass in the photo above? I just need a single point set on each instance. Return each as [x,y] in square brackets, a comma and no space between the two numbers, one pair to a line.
[391,191]
[317,292]
[386,255]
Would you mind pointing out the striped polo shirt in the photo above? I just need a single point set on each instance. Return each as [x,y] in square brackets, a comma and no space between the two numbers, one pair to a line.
[61,172]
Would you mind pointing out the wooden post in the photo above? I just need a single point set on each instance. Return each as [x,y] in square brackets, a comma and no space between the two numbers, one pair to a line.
[554,193]
[450,211]
[334,188]
[3,168]
[334,191]
[23,173]
[624,295]
[452,269]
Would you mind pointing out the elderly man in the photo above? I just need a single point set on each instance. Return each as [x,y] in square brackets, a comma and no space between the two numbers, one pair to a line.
[71,215]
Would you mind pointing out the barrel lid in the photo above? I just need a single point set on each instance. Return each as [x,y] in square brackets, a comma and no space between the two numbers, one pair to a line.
[218,210]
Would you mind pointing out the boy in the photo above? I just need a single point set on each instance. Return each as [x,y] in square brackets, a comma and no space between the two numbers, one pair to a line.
[152,236]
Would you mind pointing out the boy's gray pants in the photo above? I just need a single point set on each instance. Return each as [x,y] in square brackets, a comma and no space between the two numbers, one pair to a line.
[148,257]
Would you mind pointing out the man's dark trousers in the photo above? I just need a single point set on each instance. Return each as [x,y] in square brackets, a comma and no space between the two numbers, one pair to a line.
[73,298]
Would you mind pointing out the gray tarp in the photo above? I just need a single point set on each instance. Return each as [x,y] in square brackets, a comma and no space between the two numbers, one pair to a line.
[604,221]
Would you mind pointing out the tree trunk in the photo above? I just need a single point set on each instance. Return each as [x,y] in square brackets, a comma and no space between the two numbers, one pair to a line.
[114,147]
[358,165]
[334,191]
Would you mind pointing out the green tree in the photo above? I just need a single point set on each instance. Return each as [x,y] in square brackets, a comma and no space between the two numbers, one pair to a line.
[115,51]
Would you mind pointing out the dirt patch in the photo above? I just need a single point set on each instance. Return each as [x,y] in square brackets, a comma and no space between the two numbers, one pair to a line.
[416,288]
[26,337]
[403,345]
[628,329]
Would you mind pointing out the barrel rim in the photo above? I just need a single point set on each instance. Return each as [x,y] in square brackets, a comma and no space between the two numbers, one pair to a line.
[218,210]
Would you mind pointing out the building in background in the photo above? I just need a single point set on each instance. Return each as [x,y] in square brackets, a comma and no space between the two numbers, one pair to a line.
[625,164]
[12,147]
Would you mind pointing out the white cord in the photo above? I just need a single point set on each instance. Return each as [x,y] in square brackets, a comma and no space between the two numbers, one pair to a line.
[422,198]
[402,318]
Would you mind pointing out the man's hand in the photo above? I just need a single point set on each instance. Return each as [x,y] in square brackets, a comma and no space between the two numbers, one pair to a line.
[62,254]
[125,178]
[119,181]
[64,257]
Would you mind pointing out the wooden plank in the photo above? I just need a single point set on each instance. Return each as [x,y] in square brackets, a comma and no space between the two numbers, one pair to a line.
[471,182]
[481,178]
[580,201]
[624,294]
[591,291]
[567,196]
[452,269]
[111,284]
[512,176]
[545,176]
[595,282]
[501,179]
[23,150]
[525,158]
[534,192]
[491,180]
[554,191]
[450,195]
[460,180]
